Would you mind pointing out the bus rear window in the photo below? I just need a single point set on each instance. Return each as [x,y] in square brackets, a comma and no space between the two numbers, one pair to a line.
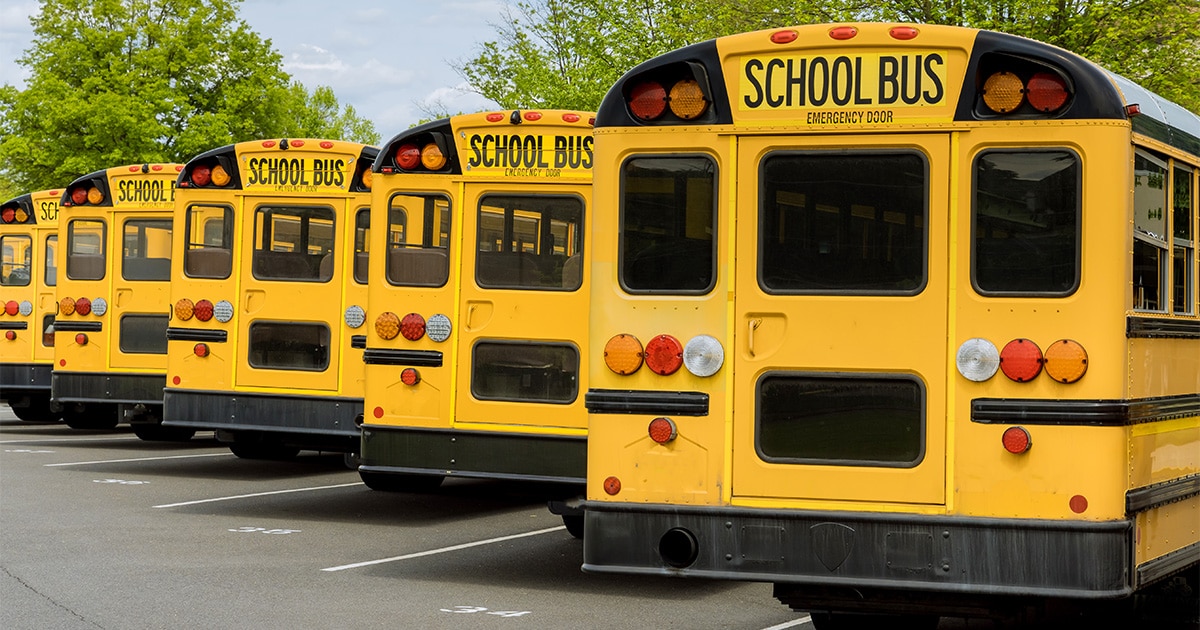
[293,243]
[289,346]
[842,419]
[843,223]
[208,252]
[418,241]
[529,242]
[1026,223]
[668,210]
[525,372]
[147,246]
[144,334]
[362,239]
[18,256]
[51,275]
[85,249]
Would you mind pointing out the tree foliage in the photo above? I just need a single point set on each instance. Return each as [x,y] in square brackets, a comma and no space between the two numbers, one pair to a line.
[128,81]
[554,53]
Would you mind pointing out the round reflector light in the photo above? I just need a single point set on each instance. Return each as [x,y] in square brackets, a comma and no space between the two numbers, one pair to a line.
[623,354]
[432,157]
[1066,361]
[223,311]
[95,197]
[977,359]
[1046,91]
[648,100]
[387,325]
[99,307]
[703,355]
[412,327]
[367,178]
[8,215]
[664,355]
[1079,504]
[79,196]
[687,99]
[12,307]
[66,306]
[81,339]
[612,485]
[200,350]
[25,308]
[184,309]
[662,430]
[20,216]
[355,316]
[1016,440]
[201,175]
[438,327]
[410,376]
[1021,360]
[220,177]
[204,310]
[10,335]
[1003,92]
[408,156]
[83,306]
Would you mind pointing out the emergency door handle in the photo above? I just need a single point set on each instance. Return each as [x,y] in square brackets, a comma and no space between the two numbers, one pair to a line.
[753,325]
[470,312]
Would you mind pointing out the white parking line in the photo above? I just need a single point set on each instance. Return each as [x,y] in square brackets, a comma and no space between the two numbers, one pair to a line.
[80,439]
[431,552]
[138,459]
[258,494]
[805,620]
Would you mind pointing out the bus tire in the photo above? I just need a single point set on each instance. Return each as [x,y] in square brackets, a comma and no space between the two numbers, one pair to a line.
[91,416]
[574,523]
[38,410]
[396,482]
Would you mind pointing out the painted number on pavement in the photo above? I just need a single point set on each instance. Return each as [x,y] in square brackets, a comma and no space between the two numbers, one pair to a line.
[263,530]
[481,609]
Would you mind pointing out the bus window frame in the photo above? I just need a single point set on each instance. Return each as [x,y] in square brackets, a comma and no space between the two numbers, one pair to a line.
[362,244]
[1185,243]
[71,254]
[513,343]
[264,239]
[866,152]
[50,268]
[714,237]
[141,225]
[10,259]
[1077,234]
[229,229]
[1161,245]
[580,226]
[393,247]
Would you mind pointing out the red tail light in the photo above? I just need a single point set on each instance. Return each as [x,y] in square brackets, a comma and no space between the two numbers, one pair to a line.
[662,430]
[200,350]
[1016,440]
[1021,360]
[201,175]
[10,335]
[83,306]
[410,376]
[412,327]
[648,100]
[664,355]
[81,339]
[12,307]
[1046,92]
[203,310]
[79,196]
[408,156]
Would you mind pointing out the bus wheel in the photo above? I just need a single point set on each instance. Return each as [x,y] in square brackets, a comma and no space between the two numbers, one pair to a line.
[159,433]
[394,482]
[91,416]
[38,410]
[863,621]
[259,450]
[574,523]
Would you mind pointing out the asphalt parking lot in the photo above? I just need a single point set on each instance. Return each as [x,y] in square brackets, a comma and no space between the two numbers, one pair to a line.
[103,530]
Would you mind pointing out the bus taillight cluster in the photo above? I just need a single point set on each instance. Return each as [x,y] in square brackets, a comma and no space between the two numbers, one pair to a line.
[703,355]
[13,215]
[1019,88]
[1022,360]
[413,327]
[203,310]
[83,306]
[650,100]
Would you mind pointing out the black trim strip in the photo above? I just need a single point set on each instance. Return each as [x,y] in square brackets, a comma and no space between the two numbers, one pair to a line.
[69,326]
[642,402]
[358,341]
[14,325]
[197,334]
[1097,413]
[1152,327]
[1150,497]
[1169,564]
[387,356]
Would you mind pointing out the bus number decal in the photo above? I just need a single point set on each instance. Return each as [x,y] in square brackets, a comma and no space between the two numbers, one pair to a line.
[297,174]
[518,155]
[844,90]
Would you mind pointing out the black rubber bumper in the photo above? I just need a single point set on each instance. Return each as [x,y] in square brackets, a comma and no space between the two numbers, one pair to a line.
[22,378]
[107,387]
[241,411]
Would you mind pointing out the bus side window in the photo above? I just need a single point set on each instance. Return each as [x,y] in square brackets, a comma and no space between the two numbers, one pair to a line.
[51,275]
[1184,255]
[1150,253]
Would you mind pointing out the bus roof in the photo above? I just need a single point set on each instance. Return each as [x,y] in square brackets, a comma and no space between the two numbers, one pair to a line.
[1160,118]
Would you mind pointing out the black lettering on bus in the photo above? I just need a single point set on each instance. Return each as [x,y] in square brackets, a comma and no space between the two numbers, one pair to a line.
[889,89]
[514,151]
[252,177]
[476,158]
[795,81]
[858,81]
[773,101]
[843,76]
[916,82]
[49,211]
[818,99]
[751,66]
[936,95]
[587,152]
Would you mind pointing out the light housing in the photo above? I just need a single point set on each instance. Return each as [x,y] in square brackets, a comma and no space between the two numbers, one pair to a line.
[623,354]
[977,359]
[66,306]
[1066,361]
[387,325]
[355,316]
[410,376]
[1021,360]
[204,310]
[662,430]
[1016,440]
[83,306]
[412,326]
[438,328]
[703,355]
[664,355]
[223,311]
[201,350]
[99,307]
[184,309]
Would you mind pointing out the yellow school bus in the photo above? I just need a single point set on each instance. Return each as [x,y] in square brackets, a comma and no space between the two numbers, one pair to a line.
[267,304]
[28,274]
[110,330]
[900,318]
[478,302]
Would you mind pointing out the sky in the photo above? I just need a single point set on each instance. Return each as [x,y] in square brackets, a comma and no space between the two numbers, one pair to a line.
[384,58]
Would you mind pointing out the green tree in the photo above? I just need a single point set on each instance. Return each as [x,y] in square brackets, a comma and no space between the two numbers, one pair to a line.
[127,81]
[554,53]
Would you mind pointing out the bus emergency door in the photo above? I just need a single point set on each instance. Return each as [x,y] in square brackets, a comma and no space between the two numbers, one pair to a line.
[840,363]
[523,308]
[291,293]
[140,264]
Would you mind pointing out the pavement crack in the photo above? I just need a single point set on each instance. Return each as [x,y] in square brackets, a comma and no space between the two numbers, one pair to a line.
[48,598]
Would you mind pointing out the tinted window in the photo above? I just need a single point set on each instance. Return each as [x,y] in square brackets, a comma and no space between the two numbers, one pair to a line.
[289,346]
[418,244]
[16,266]
[147,250]
[530,372]
[529,242]
[843,223]
[144,334]
[51,278]
[294,243]
[208,250]
[86,251]
[668,210]
[1026,222]
[362,239]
